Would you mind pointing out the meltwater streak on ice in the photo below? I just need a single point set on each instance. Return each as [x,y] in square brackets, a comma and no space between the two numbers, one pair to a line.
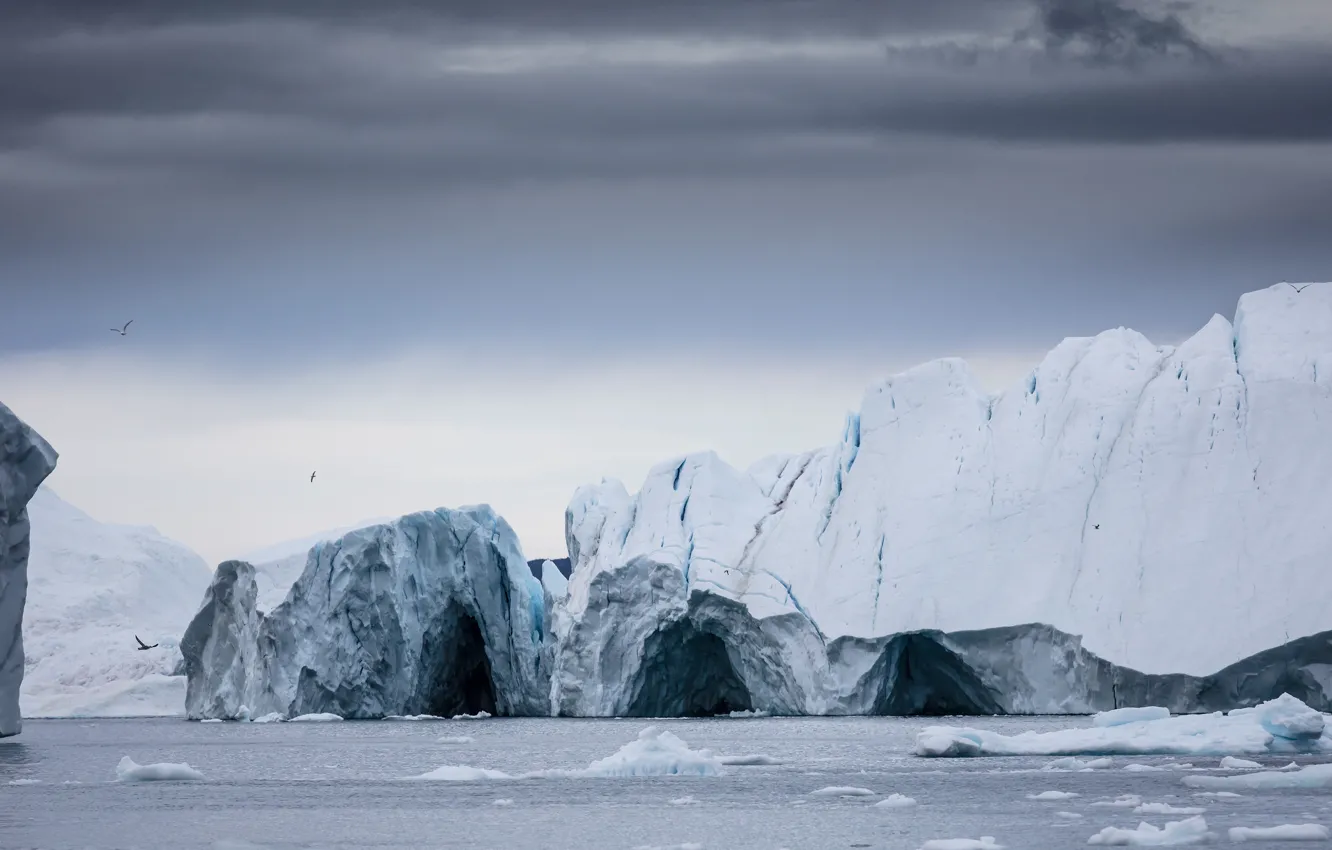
[1135,494]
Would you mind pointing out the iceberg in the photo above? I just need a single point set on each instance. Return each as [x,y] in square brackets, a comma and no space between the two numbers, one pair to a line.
[25,462]
[1133,493]
[1174,834]
[1282,725]
[93,587]
[129,771]
[435,613]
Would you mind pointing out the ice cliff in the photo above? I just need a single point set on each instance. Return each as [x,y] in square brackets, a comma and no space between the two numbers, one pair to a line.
[435,613]
[25,462]
[1166,503]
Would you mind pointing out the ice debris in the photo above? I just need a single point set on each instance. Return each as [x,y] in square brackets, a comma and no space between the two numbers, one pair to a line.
[128,771]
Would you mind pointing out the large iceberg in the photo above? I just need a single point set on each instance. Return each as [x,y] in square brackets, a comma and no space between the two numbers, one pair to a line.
[93,588]
[1135,495]
[25,462]
[436,613]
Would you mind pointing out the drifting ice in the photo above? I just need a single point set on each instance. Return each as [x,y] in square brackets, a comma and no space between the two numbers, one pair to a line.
[1175,833]
[128,771]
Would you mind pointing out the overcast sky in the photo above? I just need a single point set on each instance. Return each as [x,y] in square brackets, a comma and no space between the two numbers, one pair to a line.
[487,250]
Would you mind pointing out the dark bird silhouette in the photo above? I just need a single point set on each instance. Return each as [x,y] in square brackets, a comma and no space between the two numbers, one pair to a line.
[312,475]
[142,645]
[122,331]
[1299,289]
[1097,526]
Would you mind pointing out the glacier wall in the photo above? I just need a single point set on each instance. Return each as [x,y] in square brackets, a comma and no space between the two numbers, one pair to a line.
[25,462]
[434,613]
[1165,503]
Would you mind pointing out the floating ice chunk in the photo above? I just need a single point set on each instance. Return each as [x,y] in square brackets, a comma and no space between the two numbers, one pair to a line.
[453,739]
[748,761]
[744,714]
[985,842]
[129,771]
[1281,725]
[1175,833]
[1312,776]
[1135,767]
[1068,815]
[1048,796]
[315,718]
[1166,809]
[272,717]
[24,782]
[656,752]
[1124,801]
[415,717]
[462,773]
[895,801]
[1074,763]
[480,715]
[243,713]
[684,801]
[211,720]
[842,791]
[502,802]
[1121,716]
[1219,795]
[1232,763]
[1285,832]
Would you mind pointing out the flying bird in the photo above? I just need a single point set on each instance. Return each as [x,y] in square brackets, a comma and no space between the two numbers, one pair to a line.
[312,475]
[122,331]
[142,645]
[1299,289]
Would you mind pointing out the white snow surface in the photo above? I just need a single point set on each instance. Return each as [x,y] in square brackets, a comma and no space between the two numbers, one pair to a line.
[93,586]
[1284,832]
[128,771]
[1137,493]
[1281,725]
[1174,834]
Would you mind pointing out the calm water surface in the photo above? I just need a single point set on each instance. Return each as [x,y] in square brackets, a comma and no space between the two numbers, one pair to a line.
[340,786]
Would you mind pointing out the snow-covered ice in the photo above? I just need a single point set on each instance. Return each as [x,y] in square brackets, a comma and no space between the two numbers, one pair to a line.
[454,739]
[25,461]
[1051,796]
[94,586]
[1115,485]
[895,801]
[1120,716]
[1174,834]
[503,801]
[316,717]
[1281,725]
[128,771]
[462,773]
[480,715]
[1309,776]
[1068,816]
[1075,763]
[1284,832]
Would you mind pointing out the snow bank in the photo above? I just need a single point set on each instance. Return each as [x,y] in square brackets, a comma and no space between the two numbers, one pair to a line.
[1174,834]
[25,462]
[1310,776]
[128,771]
[1280,725]
[1285,832]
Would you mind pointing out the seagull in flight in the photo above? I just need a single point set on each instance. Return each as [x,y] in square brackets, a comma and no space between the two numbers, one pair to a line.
[312,475]
[122,331]
[142,645]
[1299,289]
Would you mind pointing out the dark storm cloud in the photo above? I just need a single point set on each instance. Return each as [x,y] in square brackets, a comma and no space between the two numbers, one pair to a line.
[1113,32]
